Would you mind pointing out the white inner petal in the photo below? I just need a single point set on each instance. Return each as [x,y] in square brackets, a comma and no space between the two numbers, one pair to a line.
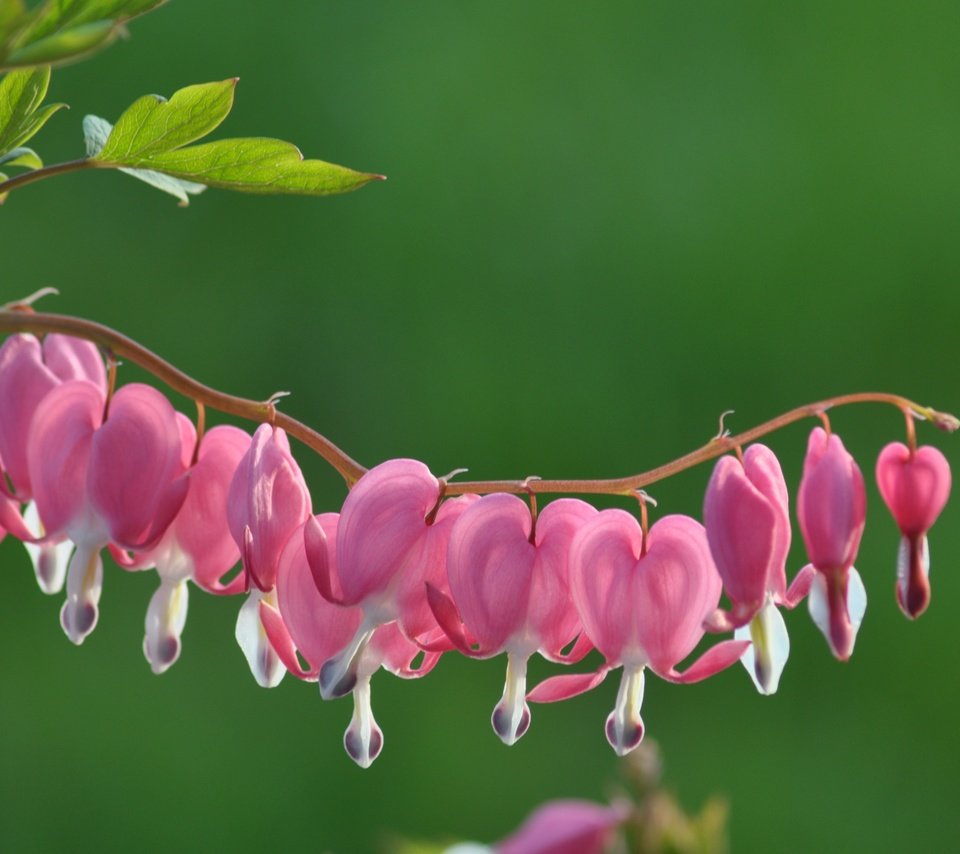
[264,663]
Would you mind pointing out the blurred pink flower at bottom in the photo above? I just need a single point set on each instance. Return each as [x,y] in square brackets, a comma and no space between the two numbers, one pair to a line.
[565,827]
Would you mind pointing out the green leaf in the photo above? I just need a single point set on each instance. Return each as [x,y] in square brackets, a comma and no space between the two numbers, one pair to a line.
[59,30]
[153,135]
[25,157]
[153,125]
[96,131]
[21,116]
[255,165]
[10,13]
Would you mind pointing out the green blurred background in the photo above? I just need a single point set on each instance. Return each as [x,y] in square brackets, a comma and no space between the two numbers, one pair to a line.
[603,226]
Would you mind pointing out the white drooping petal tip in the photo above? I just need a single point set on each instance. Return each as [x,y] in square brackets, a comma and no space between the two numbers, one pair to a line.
[363,739]
[265,664]
[79,613]
[624,727]
[766,657]
[511,716]
[166,617]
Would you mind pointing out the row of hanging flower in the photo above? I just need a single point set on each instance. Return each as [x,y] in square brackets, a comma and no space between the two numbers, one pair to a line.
[403,574]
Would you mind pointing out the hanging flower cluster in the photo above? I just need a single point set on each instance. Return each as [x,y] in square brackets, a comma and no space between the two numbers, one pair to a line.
[413,567]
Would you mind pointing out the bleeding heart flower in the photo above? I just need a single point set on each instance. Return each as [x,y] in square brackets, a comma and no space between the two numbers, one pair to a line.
[391,542]
[915,486]
[642,601]
[748,528]
[510,585]
[565,827]
[28,371]
[99,481]
[306,622]
[832,506]
[267,502]
[197,545]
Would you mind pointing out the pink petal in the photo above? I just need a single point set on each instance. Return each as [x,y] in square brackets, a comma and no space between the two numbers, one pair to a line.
[381,524]
[914,488]
[717,658]
[831,503]
[24,382]
[74,359]
[565,827]
[134,460]
[565,686]
[677,586]
[201,528]
[283,644]
[317,628]
[740,523]
[269,497]
[551,615]
[603,559]
[490,565]
[61,438]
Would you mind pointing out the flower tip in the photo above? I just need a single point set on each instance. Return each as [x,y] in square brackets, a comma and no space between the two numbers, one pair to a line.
[945,421]
[508,725]
[624,735]
[334,683]
[363,747]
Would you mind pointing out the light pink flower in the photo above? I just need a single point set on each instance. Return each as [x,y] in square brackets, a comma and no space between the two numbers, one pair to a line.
[915,486]
[642,604]
[747,521]
[267,502]
[565,827]
[306,622]
[29,369]
[831,506]
[391,542]
[511,589]
[197,545]
[99,482]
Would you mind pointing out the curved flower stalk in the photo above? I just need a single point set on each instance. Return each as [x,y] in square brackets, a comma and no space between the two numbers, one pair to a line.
[832,507]
[510,584]
[267,501]
[747,521]
[305,621]
[197,545]
[391,543]
[99,482]
[642,600]
[29,370]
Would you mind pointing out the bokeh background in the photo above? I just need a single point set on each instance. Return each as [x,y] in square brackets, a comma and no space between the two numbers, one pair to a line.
[604,225]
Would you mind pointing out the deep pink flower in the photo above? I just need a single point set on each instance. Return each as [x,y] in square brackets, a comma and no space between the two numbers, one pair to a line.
[565,827]
[197,545]
[306,622]
[915,487]
[747,521]
[512,591]
[99,482]
[391,542]
[642,604]
[267,502]
[29,369]
[831,506]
